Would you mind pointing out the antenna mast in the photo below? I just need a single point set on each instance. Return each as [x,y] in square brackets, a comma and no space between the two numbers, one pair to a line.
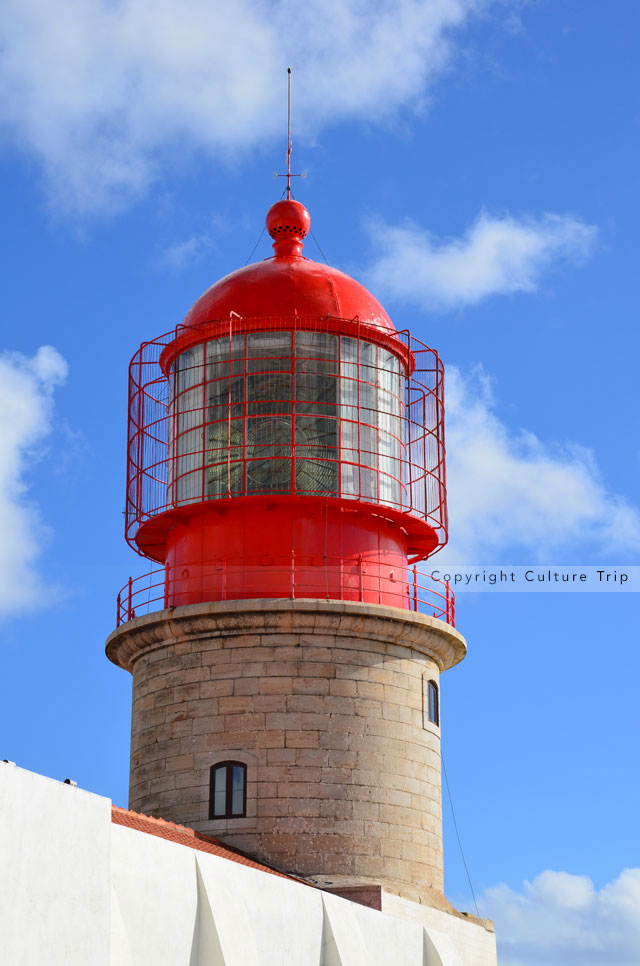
[288,133]
[288,175]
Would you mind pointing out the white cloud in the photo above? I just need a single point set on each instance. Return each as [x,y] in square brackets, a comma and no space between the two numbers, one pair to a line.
[560,919]
[99,90]
[26,402]
[191,250]
[496,256]
[509,492]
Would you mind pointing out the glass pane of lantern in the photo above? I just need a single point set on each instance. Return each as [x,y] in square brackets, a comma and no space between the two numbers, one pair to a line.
[224,441]
[269,436]
[390,465]
[316,437]
[225,357]
[317,352]
[268,351]
[316,392]
[188,465]
[190,370]
[317,434]
[368,401]
[269,392]
[368,363]
[269,476]
[268,452]
[349,358]
[368,484]
[225,396]
[220,791]
[349,457]
[190,444]
[188,485]
[237,794]
[388,405]
[225,469]
[217,448]
[316,476]
[349,399]
[189,405]
[368,445]
[388,371]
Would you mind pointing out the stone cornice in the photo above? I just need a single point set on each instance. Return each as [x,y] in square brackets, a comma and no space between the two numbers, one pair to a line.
[228,619]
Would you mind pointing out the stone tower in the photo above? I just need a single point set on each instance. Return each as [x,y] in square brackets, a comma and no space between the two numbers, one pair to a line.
[286,471]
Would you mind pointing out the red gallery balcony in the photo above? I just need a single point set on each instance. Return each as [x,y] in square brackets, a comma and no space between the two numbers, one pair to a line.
[414,590]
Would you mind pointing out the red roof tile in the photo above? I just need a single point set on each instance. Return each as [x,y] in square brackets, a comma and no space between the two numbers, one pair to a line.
[183,835]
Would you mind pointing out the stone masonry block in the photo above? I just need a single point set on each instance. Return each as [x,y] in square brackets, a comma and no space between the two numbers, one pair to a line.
[302,739]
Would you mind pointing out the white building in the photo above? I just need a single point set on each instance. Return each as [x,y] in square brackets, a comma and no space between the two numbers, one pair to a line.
[87,884]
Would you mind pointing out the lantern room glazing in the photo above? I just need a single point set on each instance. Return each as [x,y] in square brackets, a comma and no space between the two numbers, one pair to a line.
[306,412]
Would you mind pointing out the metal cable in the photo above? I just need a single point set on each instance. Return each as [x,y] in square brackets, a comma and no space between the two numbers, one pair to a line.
[261,234]
[455,825]
[318,247]
[256,245]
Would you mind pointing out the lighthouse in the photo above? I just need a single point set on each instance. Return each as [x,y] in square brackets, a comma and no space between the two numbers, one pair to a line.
[286,476]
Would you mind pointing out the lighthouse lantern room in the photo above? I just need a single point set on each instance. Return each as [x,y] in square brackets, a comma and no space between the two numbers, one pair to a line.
[285,441]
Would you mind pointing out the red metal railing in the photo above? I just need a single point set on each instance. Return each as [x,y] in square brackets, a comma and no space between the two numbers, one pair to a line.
[357,416]
[415,591]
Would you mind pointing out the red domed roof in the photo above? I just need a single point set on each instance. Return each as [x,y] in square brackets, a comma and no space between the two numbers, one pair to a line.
[288,284]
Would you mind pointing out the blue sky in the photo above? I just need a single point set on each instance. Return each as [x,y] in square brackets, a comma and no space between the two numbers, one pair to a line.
[475,163]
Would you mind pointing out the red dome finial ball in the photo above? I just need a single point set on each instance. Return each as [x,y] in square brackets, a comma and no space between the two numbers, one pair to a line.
[288,223]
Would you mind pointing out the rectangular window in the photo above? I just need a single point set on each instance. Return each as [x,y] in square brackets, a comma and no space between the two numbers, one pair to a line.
[228,790]
[430,703]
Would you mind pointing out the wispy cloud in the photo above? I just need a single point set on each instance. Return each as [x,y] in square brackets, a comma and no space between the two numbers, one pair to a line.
[99,91]
[26,401]
[183,253]
[510,492]
[560,919]
[496,256]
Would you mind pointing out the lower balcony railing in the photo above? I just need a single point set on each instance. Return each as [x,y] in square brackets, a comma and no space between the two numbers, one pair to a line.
[365,581]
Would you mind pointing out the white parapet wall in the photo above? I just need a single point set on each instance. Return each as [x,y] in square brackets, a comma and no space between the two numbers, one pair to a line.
[456,938]
[78,890]
[55,870]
